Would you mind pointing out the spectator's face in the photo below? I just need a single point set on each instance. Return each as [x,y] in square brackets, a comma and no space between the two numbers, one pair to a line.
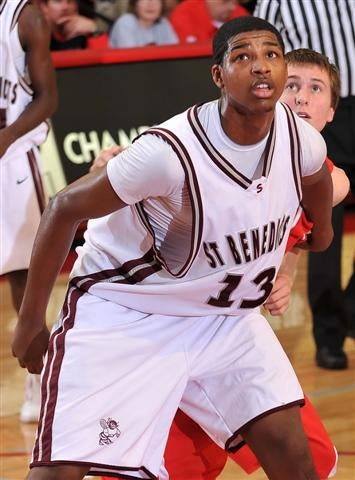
[308,93]
[149,10]
[253,72]
[55,10]
[220,10]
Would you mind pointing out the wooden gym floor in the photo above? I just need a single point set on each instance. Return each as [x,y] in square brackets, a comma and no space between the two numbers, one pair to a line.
[332,392]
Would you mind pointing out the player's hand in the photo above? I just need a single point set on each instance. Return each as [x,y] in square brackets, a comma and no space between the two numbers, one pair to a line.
[29,348]
[75,25]
[104,156]
[279,299]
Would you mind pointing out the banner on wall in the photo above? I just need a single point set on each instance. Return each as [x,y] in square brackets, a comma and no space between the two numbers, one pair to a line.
[112,103]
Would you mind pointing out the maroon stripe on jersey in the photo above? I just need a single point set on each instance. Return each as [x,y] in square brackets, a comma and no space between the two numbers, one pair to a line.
[37,180]
[195,196]
[145,221]
[269,150]
[130,272]
[233,448]
[22,80]
[17,13]
[2,5]
[222,162]
[26,86]
[211,151]
[295,150]
[43,447]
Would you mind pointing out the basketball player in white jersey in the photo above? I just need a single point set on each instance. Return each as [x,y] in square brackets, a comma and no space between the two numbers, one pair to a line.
[191,226]
[27,98]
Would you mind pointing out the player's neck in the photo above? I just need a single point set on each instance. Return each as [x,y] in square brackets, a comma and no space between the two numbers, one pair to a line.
[245,128]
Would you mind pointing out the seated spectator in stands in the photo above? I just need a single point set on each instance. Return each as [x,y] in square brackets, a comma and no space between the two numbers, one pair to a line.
[103,12]
[198,20]
[144,24]
[69,29]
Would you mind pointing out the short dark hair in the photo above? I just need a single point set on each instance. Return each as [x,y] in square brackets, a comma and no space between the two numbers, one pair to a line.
[240,25]
[306,56]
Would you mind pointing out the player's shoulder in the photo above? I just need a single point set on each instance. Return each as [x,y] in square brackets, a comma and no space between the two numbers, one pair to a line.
[312,144]
[306,132]
[32,22]
[309,136]
[154,153]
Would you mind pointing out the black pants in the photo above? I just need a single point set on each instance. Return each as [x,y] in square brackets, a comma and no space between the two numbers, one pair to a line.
[333,310]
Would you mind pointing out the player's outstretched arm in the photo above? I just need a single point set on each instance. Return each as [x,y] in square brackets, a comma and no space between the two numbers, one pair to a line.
[89,197]
[317,199]
[34,37]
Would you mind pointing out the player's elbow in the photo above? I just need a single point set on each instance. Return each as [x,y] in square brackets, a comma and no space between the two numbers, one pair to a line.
[61,208]
[341,185]
[52,102]
[322,239]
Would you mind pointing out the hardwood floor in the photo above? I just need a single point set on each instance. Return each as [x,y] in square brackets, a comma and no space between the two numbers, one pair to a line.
[332,392]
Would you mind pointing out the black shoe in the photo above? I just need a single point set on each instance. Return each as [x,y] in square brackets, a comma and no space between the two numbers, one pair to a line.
[331,359]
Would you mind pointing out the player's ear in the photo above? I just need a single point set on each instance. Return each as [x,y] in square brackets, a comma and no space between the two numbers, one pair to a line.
[217,75]
[330,115]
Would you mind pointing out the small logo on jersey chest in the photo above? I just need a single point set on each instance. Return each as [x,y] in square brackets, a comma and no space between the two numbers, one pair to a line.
[258,186]
[21,180]
[109,432]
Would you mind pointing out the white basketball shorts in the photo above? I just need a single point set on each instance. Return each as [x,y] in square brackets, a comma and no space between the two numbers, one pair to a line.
[114,378]
[22,201]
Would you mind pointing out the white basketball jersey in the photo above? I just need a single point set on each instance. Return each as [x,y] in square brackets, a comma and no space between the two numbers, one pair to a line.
[15,88]
[236,239]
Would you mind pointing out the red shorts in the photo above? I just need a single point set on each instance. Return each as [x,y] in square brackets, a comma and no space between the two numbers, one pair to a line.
[191,454]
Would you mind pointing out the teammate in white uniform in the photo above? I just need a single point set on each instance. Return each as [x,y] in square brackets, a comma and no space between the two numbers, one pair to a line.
[27,98]
[165,293]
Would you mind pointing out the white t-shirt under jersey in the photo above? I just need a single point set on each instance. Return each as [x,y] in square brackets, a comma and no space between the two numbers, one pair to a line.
[150,168]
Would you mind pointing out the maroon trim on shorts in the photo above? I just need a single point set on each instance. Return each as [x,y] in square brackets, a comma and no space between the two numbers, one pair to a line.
[49,388]
[99,469]
[129,272]
[37,180]
[230,440]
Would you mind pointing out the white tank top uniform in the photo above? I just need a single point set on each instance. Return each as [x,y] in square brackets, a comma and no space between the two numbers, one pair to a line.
[163,304]
[22,196]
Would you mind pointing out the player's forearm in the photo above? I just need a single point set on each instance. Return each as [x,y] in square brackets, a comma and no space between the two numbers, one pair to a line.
[289,263]
[317,198]
[39,110]
[53,241]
